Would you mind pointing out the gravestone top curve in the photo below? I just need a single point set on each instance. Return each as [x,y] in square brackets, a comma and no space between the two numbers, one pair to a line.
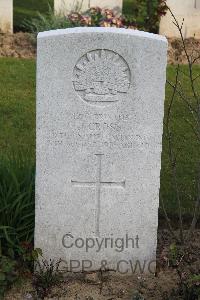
[79,30]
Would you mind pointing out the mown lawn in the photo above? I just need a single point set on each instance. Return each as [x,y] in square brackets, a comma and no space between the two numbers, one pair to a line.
[17,126]
[17,105]
[187,148]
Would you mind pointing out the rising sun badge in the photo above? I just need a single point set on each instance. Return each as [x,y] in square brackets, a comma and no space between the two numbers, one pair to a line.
[101,76]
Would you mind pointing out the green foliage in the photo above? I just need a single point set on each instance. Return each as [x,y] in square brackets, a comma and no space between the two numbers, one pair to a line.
[173,255]
[146,13]
[10,268]
[141,14]
[8,274]
[27,10]
[193,286]
[137,296]
[46,275]
[190,287]
[28,256]
[45,22]
[94,17]
[16,202]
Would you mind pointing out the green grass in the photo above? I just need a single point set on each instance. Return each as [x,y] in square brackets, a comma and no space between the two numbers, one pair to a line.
[186,146]
[17,126]
[17,105]
[17,201]
[17,148]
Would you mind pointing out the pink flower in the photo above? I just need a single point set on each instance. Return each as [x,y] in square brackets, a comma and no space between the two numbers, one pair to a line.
[86,20]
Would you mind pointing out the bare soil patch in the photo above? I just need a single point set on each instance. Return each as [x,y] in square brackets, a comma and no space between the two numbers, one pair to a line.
[21,45]
[115,288]
[165,285]
[176,52]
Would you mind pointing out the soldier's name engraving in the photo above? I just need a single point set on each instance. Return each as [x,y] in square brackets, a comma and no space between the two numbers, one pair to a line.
[96,129]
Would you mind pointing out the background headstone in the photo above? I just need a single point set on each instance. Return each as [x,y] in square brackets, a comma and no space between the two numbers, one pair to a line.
[6,16]
[64,6]
[189,10]
[100,106]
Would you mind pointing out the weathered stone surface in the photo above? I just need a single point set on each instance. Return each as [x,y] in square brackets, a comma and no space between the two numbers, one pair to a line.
[6,16]
[189,10]
[100,104]
[64,6]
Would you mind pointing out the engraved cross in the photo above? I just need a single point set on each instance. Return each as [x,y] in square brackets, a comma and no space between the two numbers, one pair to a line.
[98,184]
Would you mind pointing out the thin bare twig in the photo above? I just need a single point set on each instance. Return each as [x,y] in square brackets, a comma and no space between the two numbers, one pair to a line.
[189,60]
[172,155]
[195,112]
[196,77]
[192,110]
[168,221]
[197,207]
[193,129]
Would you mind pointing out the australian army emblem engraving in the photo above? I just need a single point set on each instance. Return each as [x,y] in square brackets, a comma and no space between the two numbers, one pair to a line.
[101,76]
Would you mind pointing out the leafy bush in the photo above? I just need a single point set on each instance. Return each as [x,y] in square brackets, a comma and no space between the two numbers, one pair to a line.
[146,13]
[137,296]
[45,22]
[94,17]
[16,203]
[7,274]
[189,286]
[193,287]
[28,256]
[27,9]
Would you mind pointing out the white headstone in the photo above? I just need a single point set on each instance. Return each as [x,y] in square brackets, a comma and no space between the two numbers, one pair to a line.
[100,106]
[6,16]
[189,10]
[65,6]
